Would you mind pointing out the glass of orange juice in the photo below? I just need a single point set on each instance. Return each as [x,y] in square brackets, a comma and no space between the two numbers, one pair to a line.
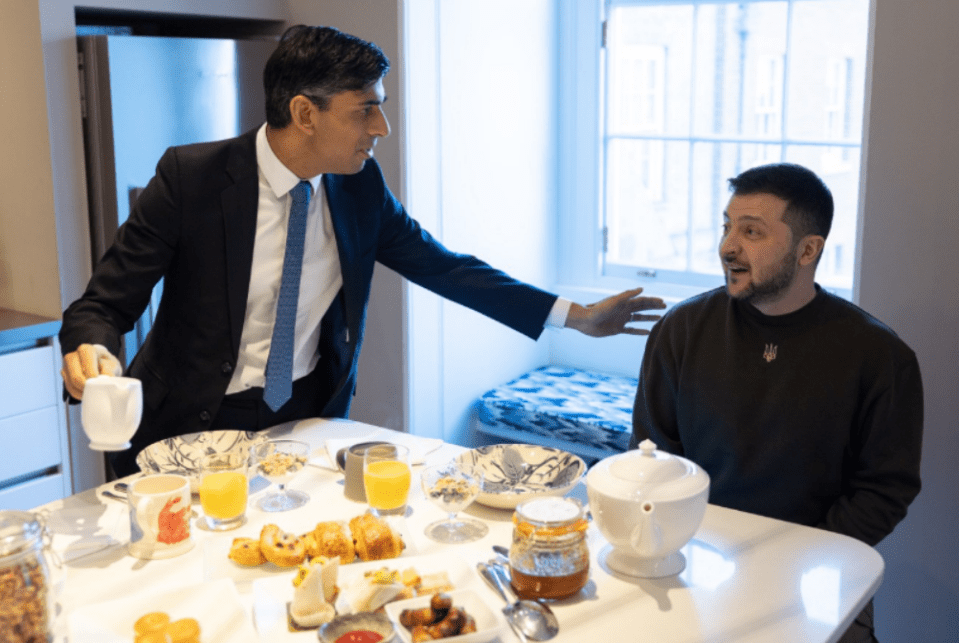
[386,478]
[224,489]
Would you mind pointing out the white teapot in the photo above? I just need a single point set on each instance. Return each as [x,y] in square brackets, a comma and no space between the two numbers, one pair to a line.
[648,504]
[110,411]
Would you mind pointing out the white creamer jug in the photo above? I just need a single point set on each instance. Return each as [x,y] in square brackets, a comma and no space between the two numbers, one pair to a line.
[111,411]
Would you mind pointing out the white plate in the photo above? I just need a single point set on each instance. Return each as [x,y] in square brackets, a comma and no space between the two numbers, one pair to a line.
[270,595]
[216,563]
[216,606]
[490,623]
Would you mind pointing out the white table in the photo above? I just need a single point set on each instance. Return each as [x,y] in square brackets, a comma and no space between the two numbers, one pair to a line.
[747,578]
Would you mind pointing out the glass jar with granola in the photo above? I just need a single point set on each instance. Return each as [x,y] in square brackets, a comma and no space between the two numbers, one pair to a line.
[26,593]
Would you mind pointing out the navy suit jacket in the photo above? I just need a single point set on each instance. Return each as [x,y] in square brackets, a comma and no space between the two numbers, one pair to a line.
[194,226]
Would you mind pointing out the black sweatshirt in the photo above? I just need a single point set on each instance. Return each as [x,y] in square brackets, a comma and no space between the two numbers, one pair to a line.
[814,417]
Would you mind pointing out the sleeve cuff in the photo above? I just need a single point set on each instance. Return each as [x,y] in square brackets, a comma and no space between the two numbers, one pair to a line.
[558,314]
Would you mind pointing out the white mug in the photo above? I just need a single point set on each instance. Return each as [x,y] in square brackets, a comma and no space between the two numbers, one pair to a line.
[111,411]
[160,516]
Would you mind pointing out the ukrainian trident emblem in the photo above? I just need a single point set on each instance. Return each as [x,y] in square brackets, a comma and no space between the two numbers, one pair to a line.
[770,353]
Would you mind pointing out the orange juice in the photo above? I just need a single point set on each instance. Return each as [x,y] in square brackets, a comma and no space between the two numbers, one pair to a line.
[387,484]
[223,494]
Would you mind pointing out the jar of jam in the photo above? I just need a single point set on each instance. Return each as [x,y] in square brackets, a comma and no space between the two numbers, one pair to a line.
[548,557]
[26,592]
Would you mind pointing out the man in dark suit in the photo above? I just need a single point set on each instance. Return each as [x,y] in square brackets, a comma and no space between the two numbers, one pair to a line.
[213,223]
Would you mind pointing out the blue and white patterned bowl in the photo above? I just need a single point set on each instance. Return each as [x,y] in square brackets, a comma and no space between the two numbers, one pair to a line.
[513,473]
[182,454]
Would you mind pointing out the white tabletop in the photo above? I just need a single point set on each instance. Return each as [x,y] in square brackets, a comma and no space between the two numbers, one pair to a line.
[747,578]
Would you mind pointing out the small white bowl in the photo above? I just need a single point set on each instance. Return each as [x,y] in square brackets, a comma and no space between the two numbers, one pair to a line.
[490,623]
[182,454]
[513,473]
[346,623]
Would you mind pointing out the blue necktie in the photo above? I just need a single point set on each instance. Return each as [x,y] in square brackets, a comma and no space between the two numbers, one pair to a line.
[279,366]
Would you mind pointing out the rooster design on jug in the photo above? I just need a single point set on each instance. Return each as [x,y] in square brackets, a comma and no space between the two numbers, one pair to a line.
[174,525]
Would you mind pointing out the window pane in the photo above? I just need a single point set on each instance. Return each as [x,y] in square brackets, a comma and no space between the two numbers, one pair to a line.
[651,230]
[649,55]
[697,93]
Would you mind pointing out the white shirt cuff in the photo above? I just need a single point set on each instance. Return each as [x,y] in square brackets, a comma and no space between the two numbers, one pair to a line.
[557,316]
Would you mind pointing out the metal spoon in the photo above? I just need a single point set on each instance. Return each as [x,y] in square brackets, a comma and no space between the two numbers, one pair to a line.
[529,619]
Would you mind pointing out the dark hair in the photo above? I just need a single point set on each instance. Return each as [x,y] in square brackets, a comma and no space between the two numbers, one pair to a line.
[809,202]
[318,62]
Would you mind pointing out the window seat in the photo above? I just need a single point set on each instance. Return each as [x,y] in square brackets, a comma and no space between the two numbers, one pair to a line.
[584,412]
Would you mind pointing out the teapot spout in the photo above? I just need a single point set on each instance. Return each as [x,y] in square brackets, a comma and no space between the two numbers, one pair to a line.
[646,538]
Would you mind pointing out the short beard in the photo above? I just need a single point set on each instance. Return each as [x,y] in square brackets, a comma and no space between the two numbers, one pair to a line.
[771,289]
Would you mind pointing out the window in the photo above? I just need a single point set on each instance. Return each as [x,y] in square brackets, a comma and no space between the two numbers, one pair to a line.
[692,93]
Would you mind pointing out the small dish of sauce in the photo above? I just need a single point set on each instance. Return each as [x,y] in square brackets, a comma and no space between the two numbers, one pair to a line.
[360,636]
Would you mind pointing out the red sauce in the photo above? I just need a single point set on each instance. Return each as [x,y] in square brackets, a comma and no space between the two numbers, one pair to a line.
[360,636]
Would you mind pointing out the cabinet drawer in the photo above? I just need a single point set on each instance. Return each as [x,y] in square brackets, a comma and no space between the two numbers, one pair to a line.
[32,442]
[29,381]
[32,493]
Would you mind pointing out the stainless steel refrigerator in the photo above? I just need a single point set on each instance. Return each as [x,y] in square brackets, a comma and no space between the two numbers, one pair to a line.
[143,94]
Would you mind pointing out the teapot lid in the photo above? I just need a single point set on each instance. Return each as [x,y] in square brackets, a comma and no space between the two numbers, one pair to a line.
[652,474]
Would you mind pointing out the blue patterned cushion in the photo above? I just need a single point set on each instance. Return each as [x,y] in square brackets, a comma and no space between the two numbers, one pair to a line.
[586,412]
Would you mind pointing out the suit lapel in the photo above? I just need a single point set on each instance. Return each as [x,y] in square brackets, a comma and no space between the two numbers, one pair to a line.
[342,213]
[239,206]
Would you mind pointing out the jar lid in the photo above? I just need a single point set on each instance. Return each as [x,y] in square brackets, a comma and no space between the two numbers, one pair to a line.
[549,510]
[19,530]
[550,516]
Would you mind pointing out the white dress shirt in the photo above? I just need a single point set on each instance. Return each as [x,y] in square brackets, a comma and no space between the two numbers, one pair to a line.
[320,280]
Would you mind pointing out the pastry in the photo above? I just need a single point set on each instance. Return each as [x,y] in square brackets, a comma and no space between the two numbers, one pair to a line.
[330,539]
[281,548]
[246,551]
[313,597]
[434,583]
[152,622]
[186,630]
[374,539]
[370,592]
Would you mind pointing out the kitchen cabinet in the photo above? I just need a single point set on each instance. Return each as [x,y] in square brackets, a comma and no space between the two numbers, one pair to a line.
[35,466]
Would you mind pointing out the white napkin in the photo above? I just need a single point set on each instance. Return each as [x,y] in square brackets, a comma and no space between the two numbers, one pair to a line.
[81,531]
[419,446]
[216,605]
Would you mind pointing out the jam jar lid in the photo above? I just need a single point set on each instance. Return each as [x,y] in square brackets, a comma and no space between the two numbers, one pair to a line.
[19,531]
[550,516]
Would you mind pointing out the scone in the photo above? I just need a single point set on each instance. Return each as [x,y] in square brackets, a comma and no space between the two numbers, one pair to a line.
[374,539]
[330,539]
[246,551]
[281,548]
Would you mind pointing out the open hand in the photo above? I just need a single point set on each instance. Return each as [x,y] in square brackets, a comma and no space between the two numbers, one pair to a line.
[610,316]
[89,360]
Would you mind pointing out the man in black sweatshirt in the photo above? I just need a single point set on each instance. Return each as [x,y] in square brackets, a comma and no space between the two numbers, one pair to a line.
[800,405]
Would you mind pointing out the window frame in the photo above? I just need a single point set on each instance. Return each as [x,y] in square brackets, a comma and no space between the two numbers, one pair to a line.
[582,150]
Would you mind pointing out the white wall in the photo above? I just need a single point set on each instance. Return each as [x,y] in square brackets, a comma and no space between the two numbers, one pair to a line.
[491,65]
[908,269]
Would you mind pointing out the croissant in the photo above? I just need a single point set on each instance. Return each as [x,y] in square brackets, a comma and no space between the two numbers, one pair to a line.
[330,539]
[374,539]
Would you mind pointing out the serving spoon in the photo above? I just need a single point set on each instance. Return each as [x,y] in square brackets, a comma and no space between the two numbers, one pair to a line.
[529,619]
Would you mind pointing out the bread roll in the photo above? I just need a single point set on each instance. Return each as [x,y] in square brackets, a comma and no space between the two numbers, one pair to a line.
[280,548]
[374,539]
